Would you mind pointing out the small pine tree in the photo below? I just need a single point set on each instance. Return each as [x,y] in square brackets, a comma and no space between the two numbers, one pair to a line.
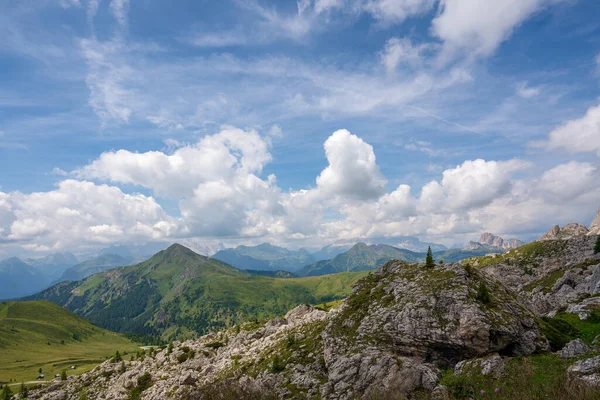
[24,392]
[170,348]
[597,247]
[483,293]
[63,375]
[40,370]
[441,262]
[6,394]
[123,368]
[117,358]
[429,261]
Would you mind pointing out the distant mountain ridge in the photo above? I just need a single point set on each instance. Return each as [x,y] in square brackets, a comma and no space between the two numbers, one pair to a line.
[265,257]
[93,266]
[18,279]
[54,265]
[493,242]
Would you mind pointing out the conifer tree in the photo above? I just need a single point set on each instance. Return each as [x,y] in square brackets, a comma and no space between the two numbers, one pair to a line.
[597,247]
[6,394]
[429,262]
[24,392]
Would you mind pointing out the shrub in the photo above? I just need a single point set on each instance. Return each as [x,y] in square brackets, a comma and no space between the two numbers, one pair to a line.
[597,247]
[117,358]
[277,365]
[182,357]
[483,294]
[63,375]
[291,340]
[143,383]
[215,345]
[170,348]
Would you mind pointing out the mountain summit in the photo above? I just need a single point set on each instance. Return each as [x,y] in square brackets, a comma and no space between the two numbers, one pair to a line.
[178,293]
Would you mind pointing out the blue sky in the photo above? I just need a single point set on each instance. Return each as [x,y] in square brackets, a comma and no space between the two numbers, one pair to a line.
[448,116]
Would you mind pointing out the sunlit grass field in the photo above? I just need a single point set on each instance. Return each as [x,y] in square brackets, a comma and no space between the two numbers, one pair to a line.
[39,334]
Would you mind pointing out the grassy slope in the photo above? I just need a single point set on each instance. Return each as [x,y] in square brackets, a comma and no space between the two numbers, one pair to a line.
[31,336]
[178,293]
[540,376]
[359,258]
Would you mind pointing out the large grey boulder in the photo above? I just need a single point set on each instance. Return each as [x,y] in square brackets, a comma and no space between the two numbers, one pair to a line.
[492,365]
[586,371]
[574,348]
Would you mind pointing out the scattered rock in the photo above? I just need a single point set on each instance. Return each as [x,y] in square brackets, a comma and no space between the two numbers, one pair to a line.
[492,365]
[188,378]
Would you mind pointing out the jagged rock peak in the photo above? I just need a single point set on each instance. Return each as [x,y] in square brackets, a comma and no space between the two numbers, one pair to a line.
[490,239]
[568,231]
[595,226]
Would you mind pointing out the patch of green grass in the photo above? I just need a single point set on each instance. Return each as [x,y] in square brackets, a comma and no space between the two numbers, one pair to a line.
[588,328]
[546,282]
[541,376]
[39,334]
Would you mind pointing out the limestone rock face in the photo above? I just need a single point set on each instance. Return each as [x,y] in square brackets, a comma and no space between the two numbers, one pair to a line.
[432,314]
[550,274]
[574,348]
[568,231]
[595,226]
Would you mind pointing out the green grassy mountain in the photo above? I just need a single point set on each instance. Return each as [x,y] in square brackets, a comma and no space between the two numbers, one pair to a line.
[93,266]
[265,257]
[360,257]
[178,293]
[39,334]
[18,279]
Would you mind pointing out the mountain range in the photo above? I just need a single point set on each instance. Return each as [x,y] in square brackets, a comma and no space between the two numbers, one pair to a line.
[493,243]
[52,266]
[178,293]
[19,279]
[93,266]
[265,257]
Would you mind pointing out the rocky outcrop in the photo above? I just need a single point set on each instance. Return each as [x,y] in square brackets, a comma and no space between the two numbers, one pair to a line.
[595,226]
[568,231]
[586,371]
[553,275]
[401,325]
